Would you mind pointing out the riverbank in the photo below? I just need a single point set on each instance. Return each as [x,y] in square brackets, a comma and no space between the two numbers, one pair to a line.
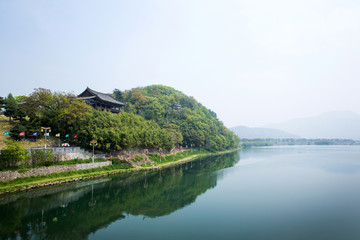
[24,184]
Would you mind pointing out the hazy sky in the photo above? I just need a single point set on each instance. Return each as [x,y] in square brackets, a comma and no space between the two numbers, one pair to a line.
[251,61]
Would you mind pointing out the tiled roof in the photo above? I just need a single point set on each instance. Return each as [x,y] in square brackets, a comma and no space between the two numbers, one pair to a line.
[104,97]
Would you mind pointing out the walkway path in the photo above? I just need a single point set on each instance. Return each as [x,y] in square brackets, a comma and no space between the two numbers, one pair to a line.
[138,164]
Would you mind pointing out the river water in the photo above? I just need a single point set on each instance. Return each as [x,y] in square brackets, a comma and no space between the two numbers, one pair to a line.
[289,192]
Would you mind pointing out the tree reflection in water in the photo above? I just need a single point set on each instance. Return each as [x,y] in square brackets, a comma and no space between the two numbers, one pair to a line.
[79,209]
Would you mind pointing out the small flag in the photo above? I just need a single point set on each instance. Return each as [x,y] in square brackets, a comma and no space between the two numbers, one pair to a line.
[75,136]
[46,134]
[67,135]
[34,134]
[57,135]
[6,133]
[22,134]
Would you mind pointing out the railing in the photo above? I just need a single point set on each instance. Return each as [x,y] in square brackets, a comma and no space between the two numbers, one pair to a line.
[113,110]
[58,150]
[61,149]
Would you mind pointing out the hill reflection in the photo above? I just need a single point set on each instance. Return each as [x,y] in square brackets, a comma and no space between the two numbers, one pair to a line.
[74,211]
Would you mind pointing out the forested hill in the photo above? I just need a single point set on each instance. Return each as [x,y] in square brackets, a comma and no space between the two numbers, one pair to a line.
[154,117]
[188,121]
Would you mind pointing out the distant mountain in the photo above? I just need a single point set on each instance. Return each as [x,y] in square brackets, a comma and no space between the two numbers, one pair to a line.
[247,132]
[337,124]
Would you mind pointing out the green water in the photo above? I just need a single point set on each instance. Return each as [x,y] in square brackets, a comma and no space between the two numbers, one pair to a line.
[297,192]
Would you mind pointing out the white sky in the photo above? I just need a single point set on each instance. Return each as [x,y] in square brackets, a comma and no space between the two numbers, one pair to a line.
[253,62]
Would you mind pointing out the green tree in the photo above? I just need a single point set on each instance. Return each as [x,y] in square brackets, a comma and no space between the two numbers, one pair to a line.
[118,95]
[122,131]
[39,103]
[2,103]
[11,107]
[168,107]
[17,128]
[62,112]
[42,156]
[153,110]
[174,132]
[12,154]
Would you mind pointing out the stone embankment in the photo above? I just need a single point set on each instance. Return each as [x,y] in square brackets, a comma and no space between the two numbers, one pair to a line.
[69,153]
[85,166]
[64,154]
[130,154]
[11,175]
[51,182]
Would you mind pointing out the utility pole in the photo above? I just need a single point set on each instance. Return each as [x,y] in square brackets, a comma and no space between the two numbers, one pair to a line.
[146,151]
[160,151]
[47,130]
[93,144]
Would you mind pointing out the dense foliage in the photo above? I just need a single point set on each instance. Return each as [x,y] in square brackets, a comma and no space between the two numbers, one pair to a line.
[154,117]
[42,157]
[188,121]
[121,131]
[2,102]
[62,112]
[13,154]
[12,109]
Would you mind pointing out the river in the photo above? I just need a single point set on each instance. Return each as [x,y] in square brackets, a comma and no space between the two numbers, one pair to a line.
[283,192]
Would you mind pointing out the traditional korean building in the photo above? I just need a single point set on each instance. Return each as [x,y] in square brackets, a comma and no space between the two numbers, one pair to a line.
[101,101]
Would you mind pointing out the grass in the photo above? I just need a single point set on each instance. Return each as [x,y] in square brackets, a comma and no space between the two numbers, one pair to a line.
[79,161]
[174,157]
[24,168]
[21,183]
[5,126]
[138,158]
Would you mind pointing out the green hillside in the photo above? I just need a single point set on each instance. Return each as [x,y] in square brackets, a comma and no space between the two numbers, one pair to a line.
[6,126]
[179,113]
[154,117]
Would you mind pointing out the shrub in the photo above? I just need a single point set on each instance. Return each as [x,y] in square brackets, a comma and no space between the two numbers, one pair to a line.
[138,158]
[13,154]
[42,157]
[23,170]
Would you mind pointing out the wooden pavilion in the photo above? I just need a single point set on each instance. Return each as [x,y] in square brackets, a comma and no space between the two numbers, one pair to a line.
[101,101]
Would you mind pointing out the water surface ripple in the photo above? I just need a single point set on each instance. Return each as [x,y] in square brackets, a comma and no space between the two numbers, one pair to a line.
[290,192]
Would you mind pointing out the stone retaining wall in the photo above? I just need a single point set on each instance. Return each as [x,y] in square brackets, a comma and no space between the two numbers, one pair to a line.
[84,166]
[70,156]
[129,154]
[69,153]
[11,175]
[60,149]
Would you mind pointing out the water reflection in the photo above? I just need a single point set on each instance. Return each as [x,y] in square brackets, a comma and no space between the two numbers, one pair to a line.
[76,210]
